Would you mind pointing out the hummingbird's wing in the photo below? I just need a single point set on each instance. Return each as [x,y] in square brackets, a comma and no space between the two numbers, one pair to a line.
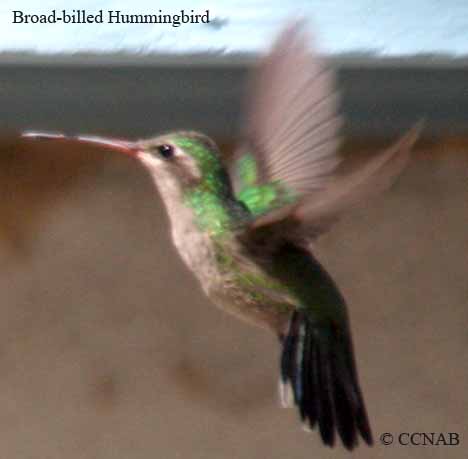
[286,163]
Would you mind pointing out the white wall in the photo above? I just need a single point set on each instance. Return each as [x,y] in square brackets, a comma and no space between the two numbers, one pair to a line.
[381,27]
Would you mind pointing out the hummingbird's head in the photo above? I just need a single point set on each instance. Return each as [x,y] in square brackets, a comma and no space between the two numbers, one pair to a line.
[183,160]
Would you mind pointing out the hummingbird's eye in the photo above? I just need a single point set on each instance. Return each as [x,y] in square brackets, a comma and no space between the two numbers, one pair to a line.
[166,151]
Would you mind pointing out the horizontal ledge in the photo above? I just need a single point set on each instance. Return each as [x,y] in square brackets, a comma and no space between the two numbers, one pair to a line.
[137,101]
[348,60]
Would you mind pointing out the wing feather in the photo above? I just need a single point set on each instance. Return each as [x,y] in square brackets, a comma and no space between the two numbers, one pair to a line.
[291,138]
[375,176]
[292,124]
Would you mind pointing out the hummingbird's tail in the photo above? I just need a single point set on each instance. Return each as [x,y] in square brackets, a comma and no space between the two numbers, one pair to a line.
[318,374]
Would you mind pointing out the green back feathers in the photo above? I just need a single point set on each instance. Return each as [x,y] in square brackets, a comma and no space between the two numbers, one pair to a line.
[259,198]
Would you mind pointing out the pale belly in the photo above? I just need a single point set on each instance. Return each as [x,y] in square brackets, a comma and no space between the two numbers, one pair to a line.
[229,286]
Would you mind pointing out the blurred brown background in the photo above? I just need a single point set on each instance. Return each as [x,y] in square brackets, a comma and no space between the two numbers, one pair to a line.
[108,348]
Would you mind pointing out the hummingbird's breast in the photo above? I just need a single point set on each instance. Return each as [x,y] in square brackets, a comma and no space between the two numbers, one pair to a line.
[233,280]
[230,276]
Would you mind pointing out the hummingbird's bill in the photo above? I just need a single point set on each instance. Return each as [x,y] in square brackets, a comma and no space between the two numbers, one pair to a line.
[119,145]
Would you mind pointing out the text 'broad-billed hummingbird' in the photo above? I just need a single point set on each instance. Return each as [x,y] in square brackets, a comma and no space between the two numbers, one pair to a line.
[245,228]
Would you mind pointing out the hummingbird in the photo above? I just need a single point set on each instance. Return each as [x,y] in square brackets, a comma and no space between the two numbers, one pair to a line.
[246,227]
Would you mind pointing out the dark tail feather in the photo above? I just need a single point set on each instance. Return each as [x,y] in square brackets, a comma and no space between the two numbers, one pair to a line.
[317,367]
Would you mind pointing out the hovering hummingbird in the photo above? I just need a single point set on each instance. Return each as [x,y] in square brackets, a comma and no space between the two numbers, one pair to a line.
[246,227]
